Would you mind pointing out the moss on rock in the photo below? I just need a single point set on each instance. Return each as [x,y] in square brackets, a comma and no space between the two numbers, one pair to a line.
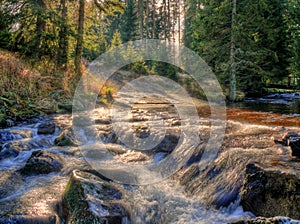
[271,190]
[89,199]
[65,138]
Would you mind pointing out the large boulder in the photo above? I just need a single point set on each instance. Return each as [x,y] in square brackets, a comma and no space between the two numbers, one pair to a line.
[41,162]
[90,199]
[272,189]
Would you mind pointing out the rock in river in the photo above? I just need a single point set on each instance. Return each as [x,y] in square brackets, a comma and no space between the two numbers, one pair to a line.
[65,138]
[272,189]
[90,199]
[41,162]
[291,139]
[47,128]
[295,146]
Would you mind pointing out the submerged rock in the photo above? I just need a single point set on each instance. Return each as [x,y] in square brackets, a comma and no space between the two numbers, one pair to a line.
[41,162]
[6,136]
[28,220]
[6,152]
[47,128]
[11,135]
[272,189]
[12,149]
[262,220]
[90,199]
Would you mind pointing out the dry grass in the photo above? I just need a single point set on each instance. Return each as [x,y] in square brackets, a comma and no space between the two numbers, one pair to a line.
[19,81]
[28,89]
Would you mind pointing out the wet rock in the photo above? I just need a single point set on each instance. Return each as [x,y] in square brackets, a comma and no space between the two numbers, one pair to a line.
[8,152]
[291,139]
[272,189]
[90,199]
[295,146]
[12,149]
[168,144]
[12,135]
[46,128]
[103,120]
[41,162]
[7,136]
[262,220]
[15,219]
[65,138]
[286,138]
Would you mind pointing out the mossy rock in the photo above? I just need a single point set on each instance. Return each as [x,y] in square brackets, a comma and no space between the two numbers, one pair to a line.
[89,199]
[66,106]
[41,162]
[65,138]
[272,189]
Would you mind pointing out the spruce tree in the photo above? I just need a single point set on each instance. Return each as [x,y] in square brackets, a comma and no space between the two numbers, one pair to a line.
[128,26]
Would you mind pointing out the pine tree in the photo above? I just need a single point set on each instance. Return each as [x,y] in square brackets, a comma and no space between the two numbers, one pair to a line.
[117,39]
[292,19]
[108,7]
[128,26]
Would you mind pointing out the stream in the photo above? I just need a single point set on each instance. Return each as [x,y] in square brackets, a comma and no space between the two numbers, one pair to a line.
[212,197]
[282,103]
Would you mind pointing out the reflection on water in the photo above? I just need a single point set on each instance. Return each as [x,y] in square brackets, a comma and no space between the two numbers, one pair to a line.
[285,103]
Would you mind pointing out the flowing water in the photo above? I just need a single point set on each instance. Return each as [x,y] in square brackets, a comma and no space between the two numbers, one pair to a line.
[283,103]
[211,196]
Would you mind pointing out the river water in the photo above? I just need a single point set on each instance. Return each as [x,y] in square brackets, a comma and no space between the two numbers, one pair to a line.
[282,103]
[212,197]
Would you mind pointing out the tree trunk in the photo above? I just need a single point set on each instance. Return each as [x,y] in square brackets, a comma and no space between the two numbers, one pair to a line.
[232,87]
[141,17]
[79,44]
[153,19]
[147,19]
[169,20]
[179,23]
[40,27]
[165,19]
[63,44]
